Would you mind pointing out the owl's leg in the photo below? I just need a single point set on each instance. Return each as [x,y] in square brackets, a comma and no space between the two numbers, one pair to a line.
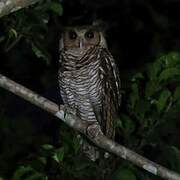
[89,150]
[94,130]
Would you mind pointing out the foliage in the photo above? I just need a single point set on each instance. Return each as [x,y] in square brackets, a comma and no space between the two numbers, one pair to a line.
[154,92]
[32,25]
[148,121]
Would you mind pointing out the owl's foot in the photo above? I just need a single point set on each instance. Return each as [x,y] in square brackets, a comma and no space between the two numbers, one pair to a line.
[67,110]
[94,130]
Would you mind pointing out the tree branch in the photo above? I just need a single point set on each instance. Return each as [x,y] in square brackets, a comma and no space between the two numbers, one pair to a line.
[81,126]
[9,6]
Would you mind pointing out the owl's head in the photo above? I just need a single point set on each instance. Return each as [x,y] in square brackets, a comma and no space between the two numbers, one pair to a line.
[83,37]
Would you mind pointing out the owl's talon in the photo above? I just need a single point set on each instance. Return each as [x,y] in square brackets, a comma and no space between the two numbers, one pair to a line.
[94,130]
[67,110]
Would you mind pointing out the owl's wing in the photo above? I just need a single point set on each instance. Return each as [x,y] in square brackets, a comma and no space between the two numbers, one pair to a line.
[111,97]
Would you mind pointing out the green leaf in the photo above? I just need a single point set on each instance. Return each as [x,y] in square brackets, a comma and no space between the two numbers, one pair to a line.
[137,76]
[142,107]
[172,154]
[125,174]
[134,96]
[2,38]
[169,73]
[43,160]
[162,101]
[171,59]
[128,125]
[76,144]
[22,170]
[12,33]
[39,53]
[118,122]
[35,176]
[47,146]
[177,94]
[56,8]
[59,155]
[151,88]
[153,70]
[1,178]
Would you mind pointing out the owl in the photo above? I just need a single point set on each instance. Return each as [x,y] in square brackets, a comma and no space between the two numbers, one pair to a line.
[89,80]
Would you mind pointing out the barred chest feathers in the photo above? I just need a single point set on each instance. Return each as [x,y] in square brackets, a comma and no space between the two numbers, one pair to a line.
[80,82]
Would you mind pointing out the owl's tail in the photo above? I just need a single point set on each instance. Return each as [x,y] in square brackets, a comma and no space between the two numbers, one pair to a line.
[89,150]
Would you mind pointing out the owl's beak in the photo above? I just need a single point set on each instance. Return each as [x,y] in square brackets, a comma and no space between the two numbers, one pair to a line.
[81,43]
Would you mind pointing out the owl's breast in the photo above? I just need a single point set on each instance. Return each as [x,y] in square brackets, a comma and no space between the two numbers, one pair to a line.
[82,88]
[80,83]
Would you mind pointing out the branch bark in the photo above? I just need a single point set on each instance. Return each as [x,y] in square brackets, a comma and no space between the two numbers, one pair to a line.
[81,126]
[9,6]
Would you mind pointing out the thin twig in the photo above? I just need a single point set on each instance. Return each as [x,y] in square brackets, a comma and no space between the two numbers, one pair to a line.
[9,47]
[81,126]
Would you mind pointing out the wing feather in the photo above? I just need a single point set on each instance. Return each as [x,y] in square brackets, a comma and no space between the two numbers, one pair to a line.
[111,97]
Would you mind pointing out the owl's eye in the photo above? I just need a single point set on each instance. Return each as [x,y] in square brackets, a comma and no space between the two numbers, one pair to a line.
[89,34]
[72,35]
